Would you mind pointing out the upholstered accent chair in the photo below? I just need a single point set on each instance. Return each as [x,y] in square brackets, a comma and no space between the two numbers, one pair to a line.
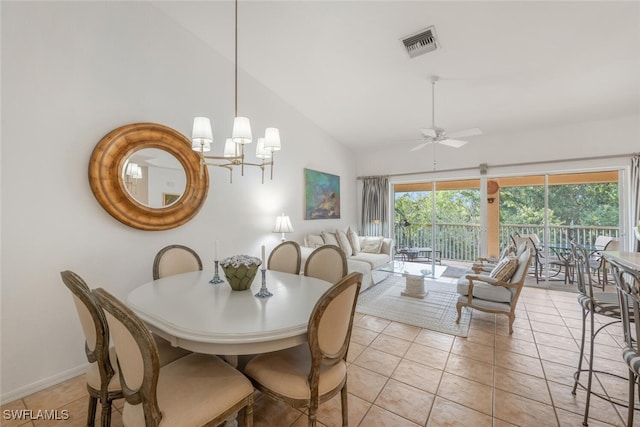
[597,262]
[103,381]
[327,262]
[198,389]
[605,304]
[492,293]
[312,373]
[175,259]
[285,257]
[627,279]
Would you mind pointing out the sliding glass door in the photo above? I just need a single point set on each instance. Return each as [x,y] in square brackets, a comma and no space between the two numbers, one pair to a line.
[440,222]
[437,227]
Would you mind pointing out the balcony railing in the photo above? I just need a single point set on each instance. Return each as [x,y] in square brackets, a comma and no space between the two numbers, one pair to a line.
[461,242]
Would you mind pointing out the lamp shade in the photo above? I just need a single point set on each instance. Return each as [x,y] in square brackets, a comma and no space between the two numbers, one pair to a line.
[272,139]
[283,225]
[229,148]
[261,152]
[241,131]
[202,135]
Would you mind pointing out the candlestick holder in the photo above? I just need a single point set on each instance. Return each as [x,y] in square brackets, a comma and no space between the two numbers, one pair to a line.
[216,277]
[264,292]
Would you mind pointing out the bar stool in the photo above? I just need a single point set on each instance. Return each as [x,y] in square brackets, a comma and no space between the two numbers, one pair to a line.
[627,279]
[592,303]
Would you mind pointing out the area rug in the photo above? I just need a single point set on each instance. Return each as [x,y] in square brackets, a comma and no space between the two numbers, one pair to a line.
[436,312]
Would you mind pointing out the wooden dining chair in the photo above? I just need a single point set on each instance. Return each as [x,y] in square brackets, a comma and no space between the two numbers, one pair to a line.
[327,262]
[312,373]
[198,389]
[175,259]
[103,381]
[285,257]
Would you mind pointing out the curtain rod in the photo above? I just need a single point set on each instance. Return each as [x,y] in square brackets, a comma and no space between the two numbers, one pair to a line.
[612,156]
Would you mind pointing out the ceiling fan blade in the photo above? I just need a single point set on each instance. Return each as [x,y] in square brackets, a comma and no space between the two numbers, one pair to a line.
[464,133]
[455,143]
[428,132]
[420,146]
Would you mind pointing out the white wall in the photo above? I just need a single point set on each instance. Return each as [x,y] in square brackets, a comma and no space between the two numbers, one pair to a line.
[73,71]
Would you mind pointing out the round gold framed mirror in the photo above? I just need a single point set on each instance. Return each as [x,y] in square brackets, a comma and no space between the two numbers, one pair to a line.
[110,170]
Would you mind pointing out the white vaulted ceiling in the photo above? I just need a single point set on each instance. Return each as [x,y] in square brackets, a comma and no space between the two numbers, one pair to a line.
[504,66]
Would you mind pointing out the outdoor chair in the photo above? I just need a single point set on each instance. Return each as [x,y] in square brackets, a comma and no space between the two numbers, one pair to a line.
[285,257]
[496,292]
[327,262]
[175,259]
[597,262]
[485,265]
[198,389]
[627,279]
[540,262]
[605,304]
[314,372]
[103,381]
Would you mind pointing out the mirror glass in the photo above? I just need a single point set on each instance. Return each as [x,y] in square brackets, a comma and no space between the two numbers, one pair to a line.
[154,177]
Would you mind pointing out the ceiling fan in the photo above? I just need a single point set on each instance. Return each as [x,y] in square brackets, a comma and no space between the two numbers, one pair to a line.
[438,135]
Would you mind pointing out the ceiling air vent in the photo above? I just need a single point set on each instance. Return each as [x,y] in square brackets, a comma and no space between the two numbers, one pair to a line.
[421,42]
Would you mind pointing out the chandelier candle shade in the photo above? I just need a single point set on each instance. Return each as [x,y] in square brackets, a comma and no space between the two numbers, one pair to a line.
[283,225]
[233,150]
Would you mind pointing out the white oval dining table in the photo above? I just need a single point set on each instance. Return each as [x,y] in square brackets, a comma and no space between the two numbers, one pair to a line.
[202,317]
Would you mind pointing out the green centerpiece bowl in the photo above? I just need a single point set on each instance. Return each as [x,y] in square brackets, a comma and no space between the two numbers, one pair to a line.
[240,270]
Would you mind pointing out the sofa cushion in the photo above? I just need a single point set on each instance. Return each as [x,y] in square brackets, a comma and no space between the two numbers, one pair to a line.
[354,240]
[330,239]
[374,260]
[343,242]
[313,240]
[371,245]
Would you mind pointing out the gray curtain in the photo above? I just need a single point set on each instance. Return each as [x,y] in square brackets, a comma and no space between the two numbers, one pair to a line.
[635,196]
[375,202]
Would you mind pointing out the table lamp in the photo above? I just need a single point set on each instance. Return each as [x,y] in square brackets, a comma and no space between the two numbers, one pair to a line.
[283,225]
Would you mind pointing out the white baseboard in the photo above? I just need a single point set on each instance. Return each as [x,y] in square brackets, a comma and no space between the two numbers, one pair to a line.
[21,392]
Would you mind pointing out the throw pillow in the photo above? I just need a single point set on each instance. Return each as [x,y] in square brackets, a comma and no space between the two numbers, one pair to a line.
[372,245]
[343,242]
[354,240]
[505,268]
[313,241]
[329,238]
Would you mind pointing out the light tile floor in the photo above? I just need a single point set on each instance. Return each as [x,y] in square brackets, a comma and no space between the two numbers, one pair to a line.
[401,375]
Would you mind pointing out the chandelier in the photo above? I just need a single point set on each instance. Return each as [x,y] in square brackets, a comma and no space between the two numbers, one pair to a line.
[233,152]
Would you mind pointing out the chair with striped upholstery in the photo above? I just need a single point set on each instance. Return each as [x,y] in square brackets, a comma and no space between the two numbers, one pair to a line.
[627,279]
[605,304]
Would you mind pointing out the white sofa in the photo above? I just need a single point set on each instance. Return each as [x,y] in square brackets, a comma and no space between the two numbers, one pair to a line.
[364,253]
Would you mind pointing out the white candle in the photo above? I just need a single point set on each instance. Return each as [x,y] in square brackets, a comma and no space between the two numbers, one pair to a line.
[215,255]
[263,264]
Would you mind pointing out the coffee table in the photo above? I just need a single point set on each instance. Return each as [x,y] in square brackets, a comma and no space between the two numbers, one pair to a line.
[414,273]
